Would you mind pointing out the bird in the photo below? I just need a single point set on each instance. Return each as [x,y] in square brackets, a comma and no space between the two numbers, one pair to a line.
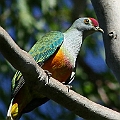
[56,52]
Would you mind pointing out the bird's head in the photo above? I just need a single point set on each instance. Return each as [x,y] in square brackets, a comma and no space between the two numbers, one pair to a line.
[87,26]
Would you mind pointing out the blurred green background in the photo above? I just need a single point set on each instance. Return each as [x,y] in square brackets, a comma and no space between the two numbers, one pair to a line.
[27,21]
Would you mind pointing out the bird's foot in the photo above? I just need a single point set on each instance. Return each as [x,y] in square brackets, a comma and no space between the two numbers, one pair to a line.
[68,86]
[48,74]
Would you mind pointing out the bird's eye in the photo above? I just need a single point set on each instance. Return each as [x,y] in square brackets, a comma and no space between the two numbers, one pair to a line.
[86,21]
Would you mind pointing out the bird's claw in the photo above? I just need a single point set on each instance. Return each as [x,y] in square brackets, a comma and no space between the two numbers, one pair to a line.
[48,74]
[68,86]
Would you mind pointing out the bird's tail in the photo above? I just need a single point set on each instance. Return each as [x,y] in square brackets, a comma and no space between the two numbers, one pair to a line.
[12,111]
[9,117]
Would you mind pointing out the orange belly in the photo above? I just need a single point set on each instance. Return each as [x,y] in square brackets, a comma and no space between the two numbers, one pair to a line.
[59,66]
[61,69]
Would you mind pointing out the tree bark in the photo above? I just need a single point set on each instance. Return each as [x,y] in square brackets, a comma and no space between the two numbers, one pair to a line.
[108,13]
[50,87]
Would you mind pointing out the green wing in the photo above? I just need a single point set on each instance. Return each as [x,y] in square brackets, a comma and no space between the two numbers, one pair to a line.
[45,47]
[41,51]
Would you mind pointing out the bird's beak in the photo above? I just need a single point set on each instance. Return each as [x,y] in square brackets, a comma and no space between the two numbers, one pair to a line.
[99,29]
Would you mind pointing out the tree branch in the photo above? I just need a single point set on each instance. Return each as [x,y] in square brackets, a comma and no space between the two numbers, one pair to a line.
[108,13]
[51,88]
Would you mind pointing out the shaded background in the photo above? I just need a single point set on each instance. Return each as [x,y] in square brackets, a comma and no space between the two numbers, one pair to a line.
[27,21]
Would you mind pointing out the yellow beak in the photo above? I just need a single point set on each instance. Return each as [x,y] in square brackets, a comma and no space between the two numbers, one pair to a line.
[99,29]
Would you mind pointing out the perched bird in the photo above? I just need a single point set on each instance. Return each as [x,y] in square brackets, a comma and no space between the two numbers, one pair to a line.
[55,52]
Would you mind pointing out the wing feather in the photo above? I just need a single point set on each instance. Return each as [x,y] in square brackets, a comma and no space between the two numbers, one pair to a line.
[45,47]
[41,51]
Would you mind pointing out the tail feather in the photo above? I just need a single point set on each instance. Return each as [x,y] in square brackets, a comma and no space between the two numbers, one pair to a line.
[9,117]
[12,113]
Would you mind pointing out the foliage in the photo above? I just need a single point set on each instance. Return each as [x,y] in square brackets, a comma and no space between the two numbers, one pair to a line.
[27,21]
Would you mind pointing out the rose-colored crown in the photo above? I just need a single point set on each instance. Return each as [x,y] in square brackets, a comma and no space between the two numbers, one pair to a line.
[94,22]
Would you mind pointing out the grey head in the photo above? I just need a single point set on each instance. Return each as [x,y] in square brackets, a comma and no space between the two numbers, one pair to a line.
[87,26]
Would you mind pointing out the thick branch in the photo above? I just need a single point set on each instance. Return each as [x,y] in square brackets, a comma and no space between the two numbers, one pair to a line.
[108,13]
[13,53]
[51,88]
